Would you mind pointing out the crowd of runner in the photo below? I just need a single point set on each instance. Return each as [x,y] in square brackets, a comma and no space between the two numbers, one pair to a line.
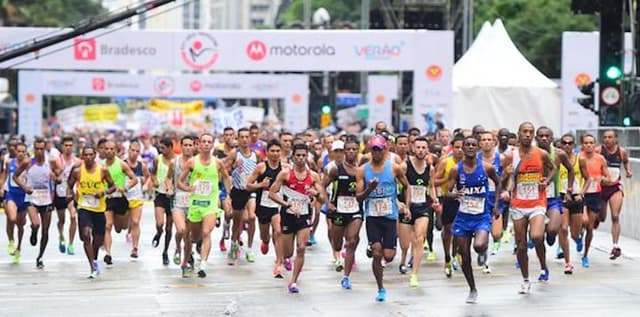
[465,184]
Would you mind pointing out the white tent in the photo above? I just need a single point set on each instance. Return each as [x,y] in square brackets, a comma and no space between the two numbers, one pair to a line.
[497,87]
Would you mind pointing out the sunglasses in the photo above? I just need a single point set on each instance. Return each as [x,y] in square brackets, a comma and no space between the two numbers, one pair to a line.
[567,142]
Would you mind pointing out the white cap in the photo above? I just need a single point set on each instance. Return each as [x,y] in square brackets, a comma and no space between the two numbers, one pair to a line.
[337,145]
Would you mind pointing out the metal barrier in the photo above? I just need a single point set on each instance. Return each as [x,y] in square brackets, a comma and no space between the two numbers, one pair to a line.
[630,216]
[629,138]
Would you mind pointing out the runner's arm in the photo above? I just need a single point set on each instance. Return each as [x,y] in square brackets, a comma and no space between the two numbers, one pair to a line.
[182,184]
[571,174]
[439,178]
[491,172]
[222,171]
[400,171]
[361,192]
[275,188]
[585,174]
[73,177]
[552,168]
[625,162]
[22,166]
[106,177]
[251,180]
[133,180]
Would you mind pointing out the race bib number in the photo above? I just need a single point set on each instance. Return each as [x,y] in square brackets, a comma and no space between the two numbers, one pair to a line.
[297,200]
[472,205]
[576,185]
[593,185]
[348,205]
[202,187]
[614,172]
[41,197]
[380,207]
[135,193]
[265,201]
[492,185]
[90,201]
[418,194]
[527,191]
[61,189]
[182,199]
[551,190]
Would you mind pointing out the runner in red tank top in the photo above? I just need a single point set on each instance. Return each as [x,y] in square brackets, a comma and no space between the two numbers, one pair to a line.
[529,201]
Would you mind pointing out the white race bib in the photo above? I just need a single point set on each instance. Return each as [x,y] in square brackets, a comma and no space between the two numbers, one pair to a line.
[472,205]
[551,190]
[348,205]
[135,193]
[89,201]
[418,194]
[593,185]
[265,201]
[297,201]
[380,207]
[527,191]
[181,199]
[61,189]
[614,172]
[202,187]
[41,197]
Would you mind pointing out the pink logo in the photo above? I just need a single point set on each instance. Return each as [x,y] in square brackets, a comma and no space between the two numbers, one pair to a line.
[256,50]
[199,51]
[98,84]
[164,86]
[84,49]
[195,85]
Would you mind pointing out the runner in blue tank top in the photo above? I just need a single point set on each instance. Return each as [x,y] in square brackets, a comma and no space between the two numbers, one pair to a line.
[380,205]
[471,179]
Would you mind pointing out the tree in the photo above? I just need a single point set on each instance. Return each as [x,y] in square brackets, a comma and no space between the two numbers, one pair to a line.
[52,13]
[344,10]
[536,27]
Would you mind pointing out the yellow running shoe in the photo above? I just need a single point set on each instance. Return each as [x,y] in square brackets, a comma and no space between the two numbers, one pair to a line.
[11,247]
[413,281]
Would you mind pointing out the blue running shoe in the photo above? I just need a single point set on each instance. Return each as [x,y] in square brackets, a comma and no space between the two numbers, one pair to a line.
[551,239]
[312,240]
[585,262]
[382,295]
[559,253]
[530,244]
[293,288]
[579,243]
[346,282]
[517,264]
[544,275]
[62,247]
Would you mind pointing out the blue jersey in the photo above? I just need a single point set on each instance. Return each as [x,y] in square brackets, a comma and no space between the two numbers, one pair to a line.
[475,187]
[14,189]
[382,200]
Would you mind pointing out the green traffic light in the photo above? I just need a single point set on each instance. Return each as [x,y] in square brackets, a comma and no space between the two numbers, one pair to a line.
[626,121]
[326,109]
[614,72]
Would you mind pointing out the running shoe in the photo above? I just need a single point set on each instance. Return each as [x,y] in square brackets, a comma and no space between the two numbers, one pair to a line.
[293,288]
[230,260]
[616,252]
[568,268]
[264,247]
[62,247]
[134,253]
[425,245]
[551,239]
[129,238]
[505,238]
[177,257]
[223,246]
[108,259]
[530,244]
[525,287]
[288,265]
[517,264]
[447,269]
[544,275]
[312,240]
[165,259]
[225,231]
[34,237]
[410,263]
[454,264]
[39,264]
[580,242]
[70,250]
[486,269]
[472,298]
[346,282]
[11,248]
[585,262]
[382,295]
[338,265]
[495,247]
[186,272]
[559,253]
[202,271]
[156,239]
[249,256]
[369,251]
[413,281]
[234,251]
[431,256]
[96,268]
[277,273]
[16,257]
[482,258]
[403,269]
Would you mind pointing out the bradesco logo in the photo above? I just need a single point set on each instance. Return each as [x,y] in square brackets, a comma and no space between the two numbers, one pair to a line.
[379,51]
[257,50]
[84,49]
[199,51]
[87,49]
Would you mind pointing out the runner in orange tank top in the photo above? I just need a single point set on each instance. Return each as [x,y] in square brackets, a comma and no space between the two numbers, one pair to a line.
[598,176]
[529,201]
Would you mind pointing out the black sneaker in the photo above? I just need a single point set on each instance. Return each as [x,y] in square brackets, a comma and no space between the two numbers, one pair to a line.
[156,239]
[403,269]
[39,264]
[482,258]
[108,260]
[165,259]
[369,251]
[202,274]
[34,237]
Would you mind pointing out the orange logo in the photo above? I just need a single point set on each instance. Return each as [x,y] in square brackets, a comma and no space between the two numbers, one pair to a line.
[582,79]
[380,99]
[434,72]
[296,98]
[30,98]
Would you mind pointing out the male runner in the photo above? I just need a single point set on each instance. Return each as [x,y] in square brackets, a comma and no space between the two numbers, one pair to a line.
[221,152]
[135,194]
[616,157]
[180,198]
[377,185]
[40,173]
[14,204]
[255,144]
[299,187]
[471,180]
[204,172]
[60,202]
[92,180]
[164,191]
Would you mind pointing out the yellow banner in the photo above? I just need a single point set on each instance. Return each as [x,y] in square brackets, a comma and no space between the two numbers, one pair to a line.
[101,113]
[188,108]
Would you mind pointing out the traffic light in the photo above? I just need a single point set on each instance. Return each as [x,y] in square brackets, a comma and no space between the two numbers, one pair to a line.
[326,117]
[611,53]
[588,101]
[326,109]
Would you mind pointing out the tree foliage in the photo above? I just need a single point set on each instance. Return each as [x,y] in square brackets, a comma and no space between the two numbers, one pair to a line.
[52,13]
[339,10]
[536,27]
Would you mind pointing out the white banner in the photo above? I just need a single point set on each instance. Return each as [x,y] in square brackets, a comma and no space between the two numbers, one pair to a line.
[293,88]
[580,65]
[382,90]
